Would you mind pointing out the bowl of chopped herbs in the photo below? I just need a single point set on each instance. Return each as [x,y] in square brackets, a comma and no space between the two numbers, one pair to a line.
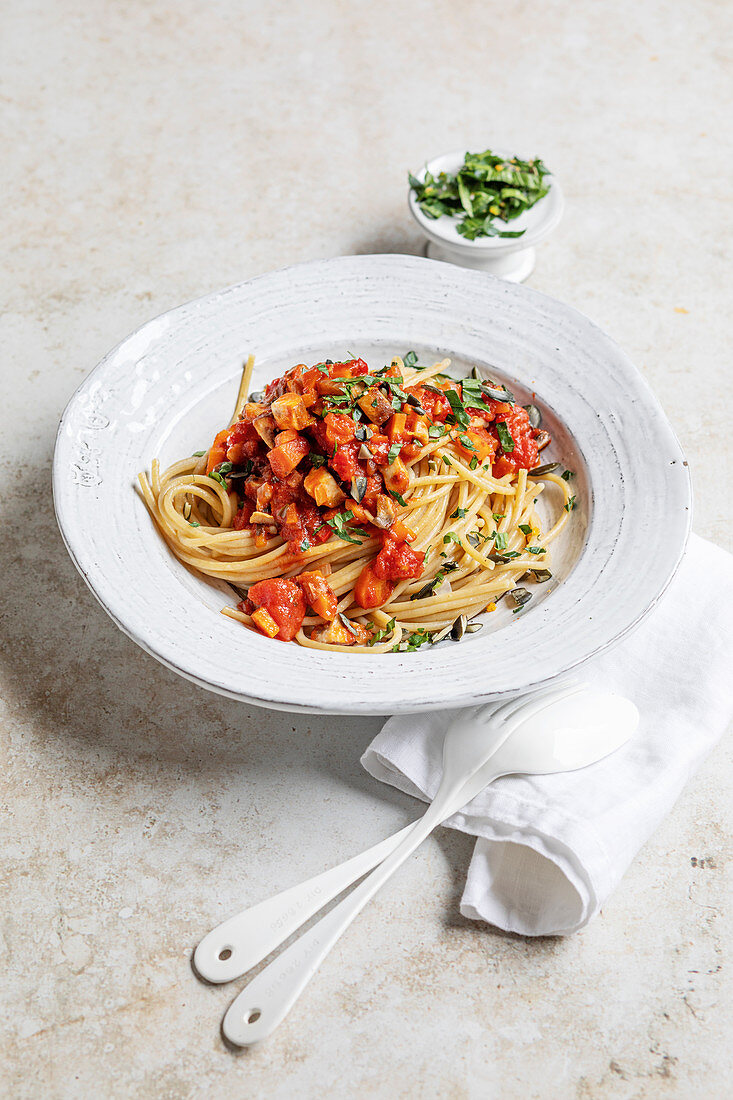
[486,210]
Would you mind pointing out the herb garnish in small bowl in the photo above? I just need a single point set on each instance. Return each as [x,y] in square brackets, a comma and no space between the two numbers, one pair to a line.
[486,210]
[487,188]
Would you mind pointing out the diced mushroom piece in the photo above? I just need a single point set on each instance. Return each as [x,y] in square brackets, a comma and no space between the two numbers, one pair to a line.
[318,594]
[289,411]
[376,406]
[386,511]
[396,477]
[264,495]
[338,634]
[253,409]
[417,427]
[324,488]
[331,386]
[265,426]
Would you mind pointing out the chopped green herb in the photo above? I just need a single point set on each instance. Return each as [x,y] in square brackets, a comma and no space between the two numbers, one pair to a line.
[567,475]
[398,497]
[505,437]
[570,504]
[487,190]
[316,459]
[459,513]
[451,536]
[198,454]
[393,453]
[216,476]
[467,442]
[536,550]
[473,463]
[409,359]
[496,516]
[500,540]
[338,525]
[305,545]
[437,431]
[413,641]
[459,411]
[525,529]
[193,523]
[382,633]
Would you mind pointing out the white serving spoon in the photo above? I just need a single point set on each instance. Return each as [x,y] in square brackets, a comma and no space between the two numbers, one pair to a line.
[242,941]
[556,730]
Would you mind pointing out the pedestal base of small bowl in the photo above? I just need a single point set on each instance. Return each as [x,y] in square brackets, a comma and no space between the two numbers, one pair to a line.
[511,258]
[513,266]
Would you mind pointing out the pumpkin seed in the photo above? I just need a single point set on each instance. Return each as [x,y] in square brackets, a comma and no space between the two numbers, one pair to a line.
[459,628]
[358,488]
[520,596]
[534,414]
[548,468]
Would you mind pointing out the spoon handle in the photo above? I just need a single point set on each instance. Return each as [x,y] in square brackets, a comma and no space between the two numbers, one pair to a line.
[268,998]
[242,941]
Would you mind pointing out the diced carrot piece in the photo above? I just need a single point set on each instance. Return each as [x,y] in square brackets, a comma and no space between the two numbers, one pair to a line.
[264,621]
[396,427]
[400,530]
[483,444]
[370,590]
[217,451]
[324,488]
[286,436]
[285,456]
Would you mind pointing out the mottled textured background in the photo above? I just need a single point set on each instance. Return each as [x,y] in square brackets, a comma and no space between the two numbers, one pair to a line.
[153,152]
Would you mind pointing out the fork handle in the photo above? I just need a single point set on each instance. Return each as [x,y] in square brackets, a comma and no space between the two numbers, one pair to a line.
[242,941]
[268,998]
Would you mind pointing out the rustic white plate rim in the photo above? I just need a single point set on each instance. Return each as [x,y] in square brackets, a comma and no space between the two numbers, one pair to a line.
[300,679]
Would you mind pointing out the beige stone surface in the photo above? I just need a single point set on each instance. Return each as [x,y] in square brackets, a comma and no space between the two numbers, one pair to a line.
[153,152]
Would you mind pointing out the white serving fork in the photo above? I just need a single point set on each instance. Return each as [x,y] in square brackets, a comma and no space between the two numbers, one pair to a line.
[558,729]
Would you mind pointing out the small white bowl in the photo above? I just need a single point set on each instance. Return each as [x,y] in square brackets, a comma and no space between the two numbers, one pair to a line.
[511,258]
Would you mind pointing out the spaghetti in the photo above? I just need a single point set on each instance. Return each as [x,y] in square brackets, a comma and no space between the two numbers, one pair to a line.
[365,511]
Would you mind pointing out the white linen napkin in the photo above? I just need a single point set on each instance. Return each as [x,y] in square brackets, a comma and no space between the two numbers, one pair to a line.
[552,848]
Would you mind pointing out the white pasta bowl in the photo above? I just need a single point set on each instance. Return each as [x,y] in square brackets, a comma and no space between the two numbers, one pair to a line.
[511,258]
[165,391]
